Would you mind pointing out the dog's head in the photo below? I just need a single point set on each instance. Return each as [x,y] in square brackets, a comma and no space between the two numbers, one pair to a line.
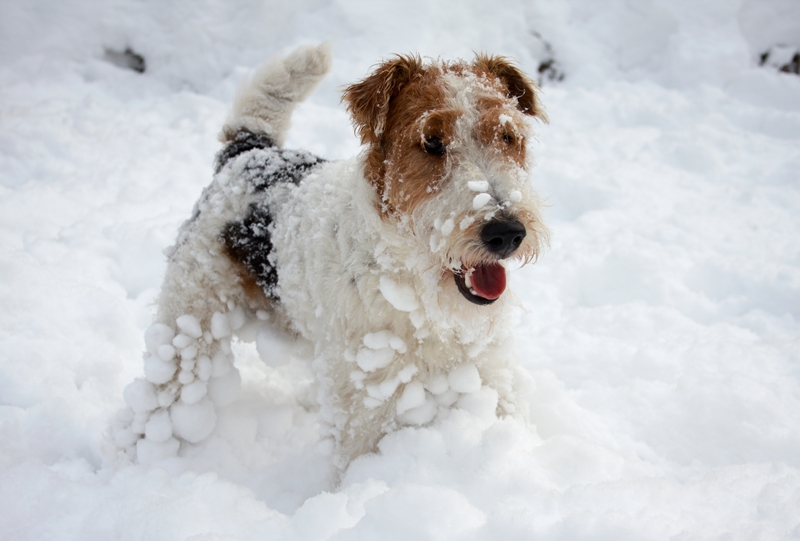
[447,156]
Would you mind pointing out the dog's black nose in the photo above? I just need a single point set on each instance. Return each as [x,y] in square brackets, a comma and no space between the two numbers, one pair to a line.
[503,237]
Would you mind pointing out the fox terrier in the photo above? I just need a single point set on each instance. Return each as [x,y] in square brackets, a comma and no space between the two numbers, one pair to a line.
[393,264]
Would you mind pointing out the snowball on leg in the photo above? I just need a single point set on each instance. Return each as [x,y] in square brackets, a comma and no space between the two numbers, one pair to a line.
[193,422]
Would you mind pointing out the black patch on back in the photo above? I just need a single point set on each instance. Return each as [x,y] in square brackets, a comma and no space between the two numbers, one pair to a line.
[278,166]
[243,142]
[248,240]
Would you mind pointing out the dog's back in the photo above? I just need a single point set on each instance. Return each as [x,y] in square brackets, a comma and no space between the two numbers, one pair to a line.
[253,158]
[258,121]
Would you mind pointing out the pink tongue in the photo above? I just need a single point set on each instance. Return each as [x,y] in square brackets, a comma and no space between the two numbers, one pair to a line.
[488,281]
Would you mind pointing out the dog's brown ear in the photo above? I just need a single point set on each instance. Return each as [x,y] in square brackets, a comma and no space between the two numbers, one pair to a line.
[517,84]
[368,101]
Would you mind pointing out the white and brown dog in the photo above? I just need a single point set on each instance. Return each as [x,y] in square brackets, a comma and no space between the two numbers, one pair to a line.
[392,264]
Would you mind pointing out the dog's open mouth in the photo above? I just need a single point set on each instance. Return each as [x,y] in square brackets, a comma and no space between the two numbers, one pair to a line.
[482,284]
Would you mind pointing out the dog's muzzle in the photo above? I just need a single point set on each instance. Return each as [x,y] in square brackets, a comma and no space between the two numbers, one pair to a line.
[484,283]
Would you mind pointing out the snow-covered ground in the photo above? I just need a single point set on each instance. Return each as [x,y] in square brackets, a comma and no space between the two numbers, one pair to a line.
[661,331]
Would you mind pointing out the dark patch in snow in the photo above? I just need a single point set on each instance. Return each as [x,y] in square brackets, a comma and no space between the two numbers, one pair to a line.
[785,59]
[127,59]
[549,68]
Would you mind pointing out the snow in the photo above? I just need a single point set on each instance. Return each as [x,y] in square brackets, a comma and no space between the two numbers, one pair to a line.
[480,200]
[157,336]
[140,395]
[401,296]
[157,370]
[370,360]
[384,339]
[190,326]
[193,392]
[478,185]
[220,327]
[193,421]
[413,396]
[464,378]
[658,337]
[223,389]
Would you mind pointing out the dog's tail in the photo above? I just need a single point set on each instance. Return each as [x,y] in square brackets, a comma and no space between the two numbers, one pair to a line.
[264,104]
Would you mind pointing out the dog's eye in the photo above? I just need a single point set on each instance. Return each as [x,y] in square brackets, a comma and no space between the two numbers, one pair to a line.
[434,145]
[508,139]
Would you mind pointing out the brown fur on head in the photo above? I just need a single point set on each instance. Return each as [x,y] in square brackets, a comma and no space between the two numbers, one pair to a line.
[403,104]
[368,101]
[517,84]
